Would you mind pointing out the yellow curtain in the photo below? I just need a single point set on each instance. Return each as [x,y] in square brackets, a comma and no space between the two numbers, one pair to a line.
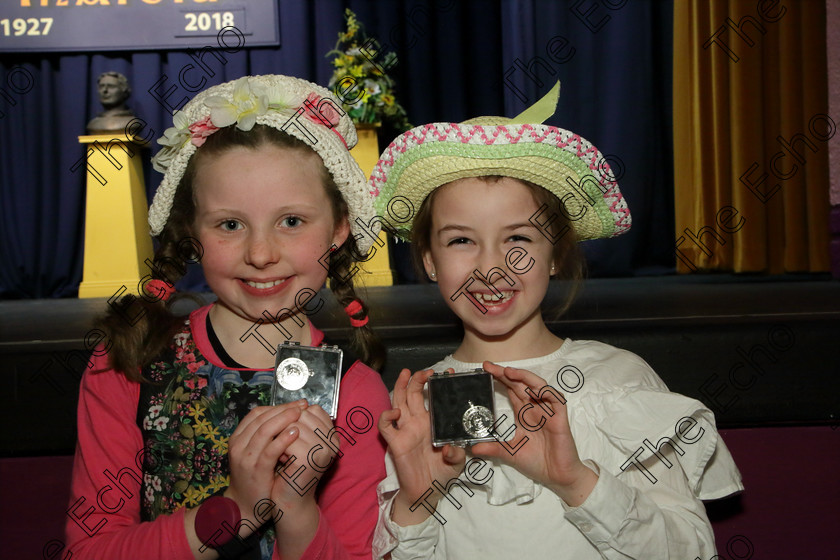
[751,132]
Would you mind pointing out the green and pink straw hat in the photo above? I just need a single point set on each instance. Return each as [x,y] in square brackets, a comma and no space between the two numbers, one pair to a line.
[428,156]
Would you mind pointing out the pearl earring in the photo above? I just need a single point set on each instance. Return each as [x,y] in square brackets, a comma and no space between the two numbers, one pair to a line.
[432,275]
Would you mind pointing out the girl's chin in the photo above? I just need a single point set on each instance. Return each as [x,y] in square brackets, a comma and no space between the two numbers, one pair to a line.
[265,313]
[489,329]
[237,313]
[271,323]
[495,326]
[305,303]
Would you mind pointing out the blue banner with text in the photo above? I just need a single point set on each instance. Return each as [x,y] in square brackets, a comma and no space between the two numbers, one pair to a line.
[113,25]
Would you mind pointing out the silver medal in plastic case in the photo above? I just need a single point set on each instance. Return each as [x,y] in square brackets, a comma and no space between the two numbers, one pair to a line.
[462,408]
[306,372]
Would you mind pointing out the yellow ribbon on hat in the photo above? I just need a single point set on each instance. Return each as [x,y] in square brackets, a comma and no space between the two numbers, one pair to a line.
[537,113]
[540,111]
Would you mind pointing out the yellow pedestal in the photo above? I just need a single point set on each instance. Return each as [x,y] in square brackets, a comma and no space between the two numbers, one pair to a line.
[377,271]
[117,237]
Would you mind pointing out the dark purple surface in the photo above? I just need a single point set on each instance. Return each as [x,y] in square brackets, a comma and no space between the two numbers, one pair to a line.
[791,494]
[834,248]
[788,510]
[834,220]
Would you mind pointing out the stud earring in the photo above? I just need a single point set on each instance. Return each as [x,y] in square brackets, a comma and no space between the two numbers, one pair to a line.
[551,272]
[432,275]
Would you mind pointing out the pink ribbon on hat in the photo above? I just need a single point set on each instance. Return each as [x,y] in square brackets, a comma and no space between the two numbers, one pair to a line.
[315,111]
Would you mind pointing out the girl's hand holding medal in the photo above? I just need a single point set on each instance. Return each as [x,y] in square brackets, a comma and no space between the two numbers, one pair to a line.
[549,456]
[254,449]
[295,483]
[260,450]
[407,430]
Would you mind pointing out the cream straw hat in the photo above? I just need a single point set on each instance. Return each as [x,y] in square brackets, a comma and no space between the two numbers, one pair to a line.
[428,156]
[300,108]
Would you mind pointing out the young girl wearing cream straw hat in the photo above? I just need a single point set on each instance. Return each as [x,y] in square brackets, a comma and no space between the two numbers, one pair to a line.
[178,454]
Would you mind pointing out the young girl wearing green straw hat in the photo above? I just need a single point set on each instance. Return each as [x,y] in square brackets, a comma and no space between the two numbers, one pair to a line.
[594,457]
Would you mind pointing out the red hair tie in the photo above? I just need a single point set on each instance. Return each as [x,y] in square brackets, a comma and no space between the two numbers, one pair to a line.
[163,288]
[359,322]
[353,308]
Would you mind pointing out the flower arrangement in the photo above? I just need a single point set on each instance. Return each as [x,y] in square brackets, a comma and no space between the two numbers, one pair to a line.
[376,102]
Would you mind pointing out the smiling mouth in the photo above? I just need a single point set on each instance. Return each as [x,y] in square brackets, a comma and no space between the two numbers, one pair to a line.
[264,285]
[492,299]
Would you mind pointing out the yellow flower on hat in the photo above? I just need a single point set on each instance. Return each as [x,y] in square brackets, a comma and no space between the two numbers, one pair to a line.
[243,111]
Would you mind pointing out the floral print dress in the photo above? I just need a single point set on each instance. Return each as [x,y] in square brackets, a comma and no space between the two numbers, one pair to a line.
[187,412]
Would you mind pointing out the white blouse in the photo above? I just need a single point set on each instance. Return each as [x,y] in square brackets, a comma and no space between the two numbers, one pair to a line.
[620,413]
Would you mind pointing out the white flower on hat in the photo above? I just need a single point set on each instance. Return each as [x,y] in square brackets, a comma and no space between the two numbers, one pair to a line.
[173,139]
[243,111]
[276,97]
[173,134]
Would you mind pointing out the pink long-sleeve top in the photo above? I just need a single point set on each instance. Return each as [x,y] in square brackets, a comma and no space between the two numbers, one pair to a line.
[104,515]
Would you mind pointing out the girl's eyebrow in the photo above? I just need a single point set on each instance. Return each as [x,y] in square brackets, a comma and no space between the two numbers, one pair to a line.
[282,209]
[454,227]
[457,227]
[522,225]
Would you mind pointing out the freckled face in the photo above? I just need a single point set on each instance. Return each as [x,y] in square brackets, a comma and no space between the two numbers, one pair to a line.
[475,224]
[264,220]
